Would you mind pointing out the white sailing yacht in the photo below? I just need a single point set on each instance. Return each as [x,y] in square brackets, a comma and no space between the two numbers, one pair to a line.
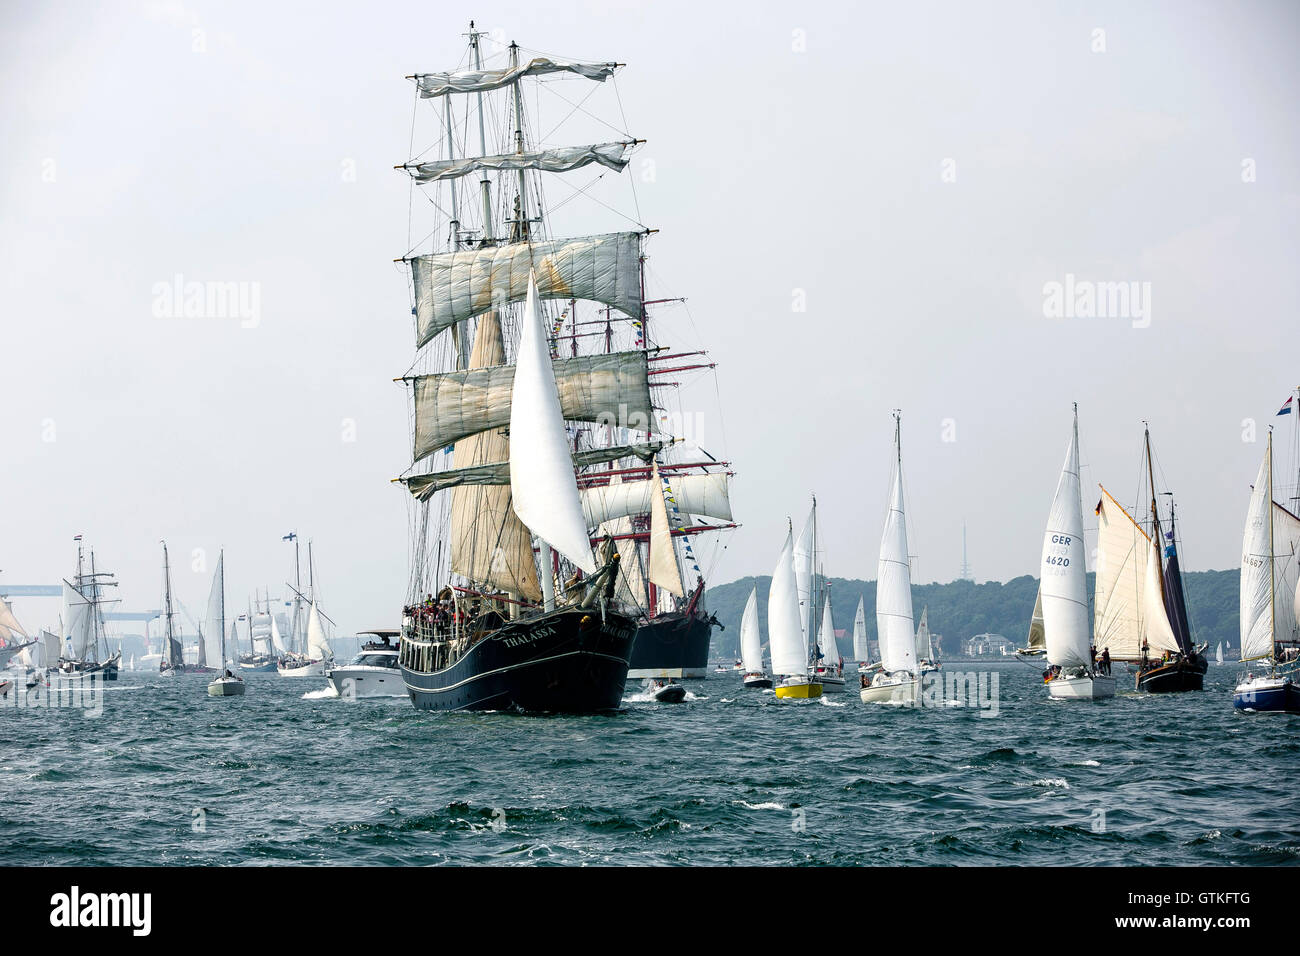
[925,655]
[1218,654]
[785,634]
[829,669]
[899,680]
[227,683]
[1063,590]
[1270,601]
[319,656]
[751,645]
[861,642]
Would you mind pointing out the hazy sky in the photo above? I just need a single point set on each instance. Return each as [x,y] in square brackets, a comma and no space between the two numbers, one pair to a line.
[919,170]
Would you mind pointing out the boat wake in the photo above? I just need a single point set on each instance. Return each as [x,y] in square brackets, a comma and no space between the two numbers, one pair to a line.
[827,702]
[322,694]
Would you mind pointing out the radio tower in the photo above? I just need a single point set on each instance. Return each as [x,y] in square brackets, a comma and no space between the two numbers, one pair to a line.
[965,565]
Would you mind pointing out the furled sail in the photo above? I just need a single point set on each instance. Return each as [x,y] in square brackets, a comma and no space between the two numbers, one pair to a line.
[318,649]
[696,495]
[894,587]
[453,286]
[489,544]
[861,647]
[498,472]
[545,492]
[1257,603]
[215,628]
[484,81]
[664,570]
[1122,549]
[785,636]
[924,649]
[751,642]
[612,388]
[1064,585]
[826,637]
[560,160]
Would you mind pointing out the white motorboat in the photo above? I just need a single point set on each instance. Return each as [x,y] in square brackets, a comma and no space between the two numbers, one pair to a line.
[373,672]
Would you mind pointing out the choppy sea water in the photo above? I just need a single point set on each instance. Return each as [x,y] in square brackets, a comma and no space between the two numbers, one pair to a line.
[289,774]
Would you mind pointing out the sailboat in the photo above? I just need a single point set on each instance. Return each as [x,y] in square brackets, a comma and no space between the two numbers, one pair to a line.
[751,646]
[925,656]
[1139,613]
[262,643]
[319,657]
[1218,654]
[785,632]
[17,647]
[1270,601]
[899,679]
[83,622]
[1063,591]
[829,668]
[861,641]
[173,659]
[227,684]
[525,615]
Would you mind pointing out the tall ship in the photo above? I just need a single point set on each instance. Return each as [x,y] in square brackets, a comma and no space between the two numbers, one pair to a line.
[85,650]
[555,516]
[1139,612]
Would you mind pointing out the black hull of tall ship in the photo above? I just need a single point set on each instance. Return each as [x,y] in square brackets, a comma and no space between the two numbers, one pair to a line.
[675,644]
[567,661]
[260,664]
[1173,677]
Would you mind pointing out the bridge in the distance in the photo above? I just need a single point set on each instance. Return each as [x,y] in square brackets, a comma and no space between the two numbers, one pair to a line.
[56,590]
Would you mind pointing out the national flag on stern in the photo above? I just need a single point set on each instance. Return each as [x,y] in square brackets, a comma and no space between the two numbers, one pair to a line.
[1286,406]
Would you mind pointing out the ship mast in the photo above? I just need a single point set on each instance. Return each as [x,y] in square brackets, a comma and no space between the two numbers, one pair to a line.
[1155,514]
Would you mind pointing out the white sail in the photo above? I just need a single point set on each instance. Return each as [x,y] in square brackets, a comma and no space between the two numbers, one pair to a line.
[1063,574]
[894,586]
[826,637]
[861,643]
[559,160]
[542,484]
[50,649]
[804,562]
[78,623]
[1218,653]
[1286,570]
[232,643]
[1037,640]
[786,639]
[705,495]
[664,571]
[612,388]
[630,591]
[751,641]
[318,649]
[924,649]
[1156,629]
[484,81]
[276,640]
[1256,609]
[1122,551]
[453,286]
[215,625]
[8,621]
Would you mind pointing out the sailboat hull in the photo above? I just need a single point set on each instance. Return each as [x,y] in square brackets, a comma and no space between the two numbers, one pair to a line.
[675,644]
[261,664]
[570,660]
[305,669]
[891,692]
[757,682]
[226,687]
[1262,695]
[1173,677]
[798,689]
[1082,687]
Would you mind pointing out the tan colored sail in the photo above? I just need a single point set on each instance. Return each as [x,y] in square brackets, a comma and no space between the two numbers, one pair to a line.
[1037,637]
[489,544]
[664,570]
[1121,578]
[630,590]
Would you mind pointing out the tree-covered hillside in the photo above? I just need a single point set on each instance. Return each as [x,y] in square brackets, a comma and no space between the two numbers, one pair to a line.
[960,609]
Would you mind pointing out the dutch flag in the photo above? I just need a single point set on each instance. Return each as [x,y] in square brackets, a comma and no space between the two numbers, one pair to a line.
[1286,406]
